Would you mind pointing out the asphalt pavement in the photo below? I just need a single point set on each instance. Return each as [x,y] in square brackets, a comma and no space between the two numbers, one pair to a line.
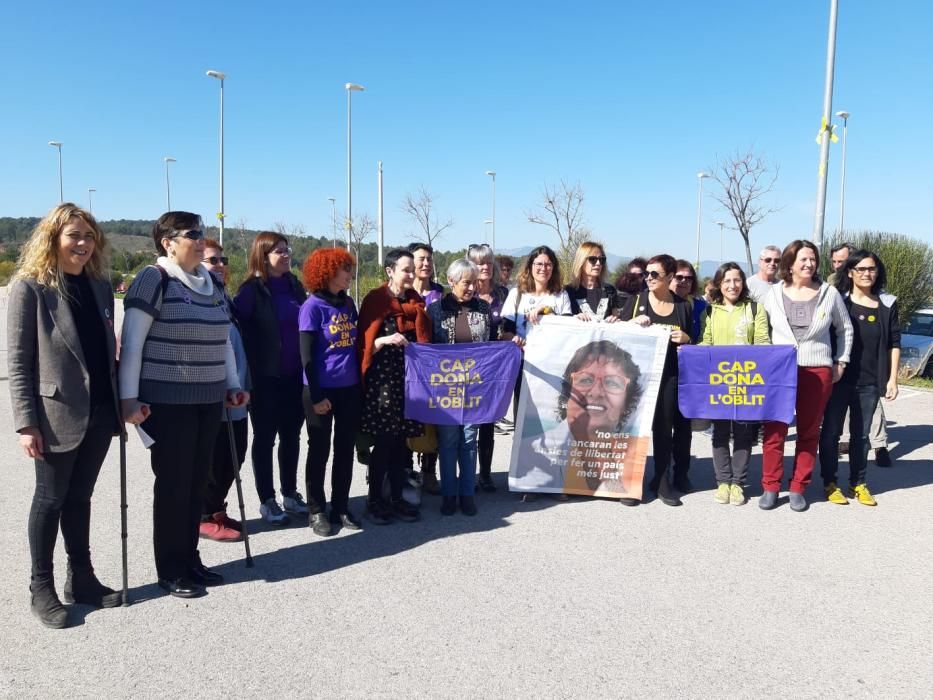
[560,599]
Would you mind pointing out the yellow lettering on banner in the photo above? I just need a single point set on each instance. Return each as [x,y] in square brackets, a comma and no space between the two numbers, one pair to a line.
[740,400]
[457,365]
[447,402]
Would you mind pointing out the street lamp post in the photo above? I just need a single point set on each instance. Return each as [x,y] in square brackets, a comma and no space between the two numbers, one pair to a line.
[700,177]
[333,209]
[168,186]
[825,128]
[486,230]
[492,174]
[722,258]
[61,191]
[220,214]
[350,88]
[90,202]
[842,195]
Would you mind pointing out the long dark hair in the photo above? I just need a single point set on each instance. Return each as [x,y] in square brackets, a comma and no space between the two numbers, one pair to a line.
[844,282]
[715,294]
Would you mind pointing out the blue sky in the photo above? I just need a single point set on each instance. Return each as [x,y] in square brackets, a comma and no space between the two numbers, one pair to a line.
[629,98]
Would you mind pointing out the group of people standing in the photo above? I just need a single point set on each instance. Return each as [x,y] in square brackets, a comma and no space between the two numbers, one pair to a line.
[198,362]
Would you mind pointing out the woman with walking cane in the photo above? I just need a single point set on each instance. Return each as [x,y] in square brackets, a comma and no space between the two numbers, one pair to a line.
[177,371]
[62,375]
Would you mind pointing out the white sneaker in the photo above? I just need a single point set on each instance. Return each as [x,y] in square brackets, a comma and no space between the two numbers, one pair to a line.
[272,513]
[295,504]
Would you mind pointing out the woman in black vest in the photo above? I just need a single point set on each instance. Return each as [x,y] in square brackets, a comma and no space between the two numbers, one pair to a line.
[267,306]
[657,306]
[870,374]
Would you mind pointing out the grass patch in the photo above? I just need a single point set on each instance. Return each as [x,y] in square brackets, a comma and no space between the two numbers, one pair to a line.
[918,383]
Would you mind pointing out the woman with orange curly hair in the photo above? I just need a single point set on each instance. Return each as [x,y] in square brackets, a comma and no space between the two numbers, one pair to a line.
[327,326]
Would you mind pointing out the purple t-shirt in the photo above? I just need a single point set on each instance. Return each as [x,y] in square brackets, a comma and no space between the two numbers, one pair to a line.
[335,359]
[435,293]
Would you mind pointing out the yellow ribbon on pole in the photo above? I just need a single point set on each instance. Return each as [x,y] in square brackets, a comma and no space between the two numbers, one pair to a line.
[825,126]
[220,215]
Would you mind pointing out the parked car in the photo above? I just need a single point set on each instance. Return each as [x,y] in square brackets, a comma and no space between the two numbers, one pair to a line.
[917,344]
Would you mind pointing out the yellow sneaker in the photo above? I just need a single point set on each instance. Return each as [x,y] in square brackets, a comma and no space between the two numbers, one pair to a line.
[835,495]
[736,495]
[722,493]
[863,495]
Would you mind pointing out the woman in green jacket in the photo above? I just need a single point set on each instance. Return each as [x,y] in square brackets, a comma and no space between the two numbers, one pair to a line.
[732,319]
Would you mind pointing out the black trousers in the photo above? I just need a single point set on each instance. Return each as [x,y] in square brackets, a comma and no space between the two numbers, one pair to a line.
[344,418]
[184,437]
[671,434]
[389,456]
[276,409]
[221,475]
[860,402]
[486,443]
[64,485]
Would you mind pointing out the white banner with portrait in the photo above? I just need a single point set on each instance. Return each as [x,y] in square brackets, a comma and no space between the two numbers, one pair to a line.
[585,408]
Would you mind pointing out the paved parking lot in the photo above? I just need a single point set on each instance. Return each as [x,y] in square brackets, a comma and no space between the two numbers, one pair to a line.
[526,600]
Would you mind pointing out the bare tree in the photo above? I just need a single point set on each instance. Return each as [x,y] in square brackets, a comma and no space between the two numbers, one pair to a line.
[561,210]
[363,227]
[420,207]
[745,180]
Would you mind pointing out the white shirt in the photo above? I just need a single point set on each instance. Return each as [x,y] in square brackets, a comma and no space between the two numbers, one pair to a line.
[559,304]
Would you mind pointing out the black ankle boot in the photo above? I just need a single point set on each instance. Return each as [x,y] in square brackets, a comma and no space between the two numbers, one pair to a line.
[46,606]
[82,586]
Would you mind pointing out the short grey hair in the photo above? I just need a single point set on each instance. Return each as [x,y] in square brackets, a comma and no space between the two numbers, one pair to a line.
[456,269]
[767,248]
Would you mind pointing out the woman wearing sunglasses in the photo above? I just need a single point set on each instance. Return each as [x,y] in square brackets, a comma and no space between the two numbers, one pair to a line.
[686,286]
[670,430]
[591,299]
[267,306]
[177,371]
[871,374]
[215,523]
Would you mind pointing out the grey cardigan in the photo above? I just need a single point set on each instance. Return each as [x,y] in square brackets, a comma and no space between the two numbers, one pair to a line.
[815,349]
[49,380]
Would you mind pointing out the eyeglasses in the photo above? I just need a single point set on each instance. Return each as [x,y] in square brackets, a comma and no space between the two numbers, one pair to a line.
[284,252]
[865,270]
[192,235]
[593,259]
[770,260]
[542,266]
[215,260]
[654,274]
[683,278]
[612,383]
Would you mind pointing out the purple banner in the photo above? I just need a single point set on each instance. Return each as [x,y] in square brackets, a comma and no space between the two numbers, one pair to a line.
[460,384]
[738,382]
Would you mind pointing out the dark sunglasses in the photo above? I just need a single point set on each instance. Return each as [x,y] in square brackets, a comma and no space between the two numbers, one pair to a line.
[770,260]
[593,259]
[654,274]
[683,278]
[214,260]
[192,235]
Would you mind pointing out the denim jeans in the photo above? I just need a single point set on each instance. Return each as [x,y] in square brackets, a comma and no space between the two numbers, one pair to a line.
[457,444]
[860,402]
